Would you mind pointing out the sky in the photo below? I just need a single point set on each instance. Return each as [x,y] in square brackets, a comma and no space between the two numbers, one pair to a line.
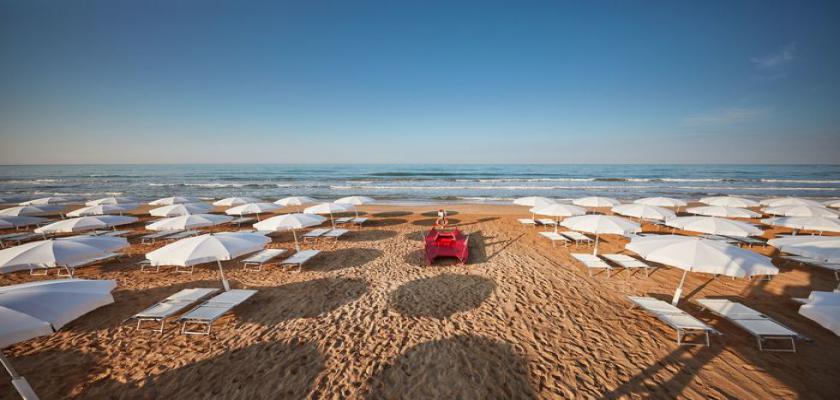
[419,82]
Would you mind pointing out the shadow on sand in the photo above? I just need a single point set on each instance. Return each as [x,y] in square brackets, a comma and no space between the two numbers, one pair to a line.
[441,296]
[307,299]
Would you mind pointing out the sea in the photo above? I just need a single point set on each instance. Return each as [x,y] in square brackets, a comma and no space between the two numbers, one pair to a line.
[404,183]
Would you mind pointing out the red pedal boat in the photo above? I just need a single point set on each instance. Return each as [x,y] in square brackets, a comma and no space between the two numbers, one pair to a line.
[441,243]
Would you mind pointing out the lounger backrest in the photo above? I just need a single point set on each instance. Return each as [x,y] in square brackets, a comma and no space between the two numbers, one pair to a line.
[625,261]
[219,305]
[192,295]
[590,260]
[552,235]
[669,314]
[317,232]
[235,296]
[265,255]
[301,256]
[576,235]
[336,232]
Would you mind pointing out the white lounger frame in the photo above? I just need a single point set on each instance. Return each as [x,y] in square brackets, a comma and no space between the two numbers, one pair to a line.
[668,314]
[220,305]
[300,258]
[592,262]
[555,237]
[256,261]
[744,317]
[178,302]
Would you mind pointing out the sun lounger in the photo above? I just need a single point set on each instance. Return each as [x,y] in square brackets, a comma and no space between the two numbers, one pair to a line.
[547,222]
[19,238]
[343,220]
[358,221]
[300,258]
[181,235]
[758,324]
[115,233]
[678,319]
[628,262]
[242,220]
[817,263]
[554,237]
[170,306]
[592,262]
[205,314]
[527,221]
[335,233]
[152,237]
[256,261]
[578,237]
[315,233]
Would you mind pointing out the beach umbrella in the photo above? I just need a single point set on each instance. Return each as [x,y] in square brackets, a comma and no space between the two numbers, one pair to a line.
[112,200]
[802,211]
[102,209]
[47,200]
[823,248]
[33,309]
[176,210]
[235,201]
[190,221]
[65,252]
[714,226]
[723,212]
[558,210]
[355,201]
[832,203]
[211,247]
[295,201]
[596,202]
[695,254]
[533,202]
[601,224]
[32,210]
[789,201]
[81,224]
[10,221]
[729,201]
[824,309]
[819,224]
[643,211]
[253,208]
[328,208]
[290,222]
[168,201]
[662,202]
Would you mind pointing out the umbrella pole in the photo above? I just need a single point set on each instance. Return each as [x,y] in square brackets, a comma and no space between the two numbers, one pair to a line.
[595,250]
[222,273]
[332,220]
[294,233]
[8,366]
[19,382]
[678,292]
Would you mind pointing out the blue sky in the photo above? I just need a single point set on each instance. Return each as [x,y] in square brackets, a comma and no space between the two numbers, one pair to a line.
[371,82]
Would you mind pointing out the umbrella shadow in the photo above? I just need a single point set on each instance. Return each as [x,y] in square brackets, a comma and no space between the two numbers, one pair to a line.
[431,222]
[392,214]
[262,370]
[371,235]
[416,236]
[342,259]
[435,213]
[460,367]
[385,222]
[441,296]
[46,372]
[306,299]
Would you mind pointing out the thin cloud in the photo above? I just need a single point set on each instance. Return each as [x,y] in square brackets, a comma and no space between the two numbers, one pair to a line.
[783,56]
[726,116]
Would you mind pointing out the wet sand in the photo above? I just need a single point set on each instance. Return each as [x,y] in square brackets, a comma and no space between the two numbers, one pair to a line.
[368,319]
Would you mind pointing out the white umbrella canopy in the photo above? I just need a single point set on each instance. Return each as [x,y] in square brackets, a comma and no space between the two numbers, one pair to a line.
[10,221]
[662,202]
[534,201]
[694,254]
[714,226]
[355,200]
[328,208]
[65,252]
[290,222]
[819,224]
[253,208]
[789,201]
[168,201]
[824,309]
[558,210]
[802,211]
[643,211]
[235,201]
[81,224]
[832,203]
[212,247]
[190,221]
[596,202]
[47,209]
[824,248]
[102,209]
[176,210]
[295,201]
[47,200]
[723,212]
[729,201]
[112,200]
[601,224]
[35,309]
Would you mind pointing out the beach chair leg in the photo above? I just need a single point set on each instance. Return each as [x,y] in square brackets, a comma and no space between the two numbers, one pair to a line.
[32,271]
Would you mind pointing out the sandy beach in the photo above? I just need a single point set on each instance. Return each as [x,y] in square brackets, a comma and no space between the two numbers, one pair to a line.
[368,319]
